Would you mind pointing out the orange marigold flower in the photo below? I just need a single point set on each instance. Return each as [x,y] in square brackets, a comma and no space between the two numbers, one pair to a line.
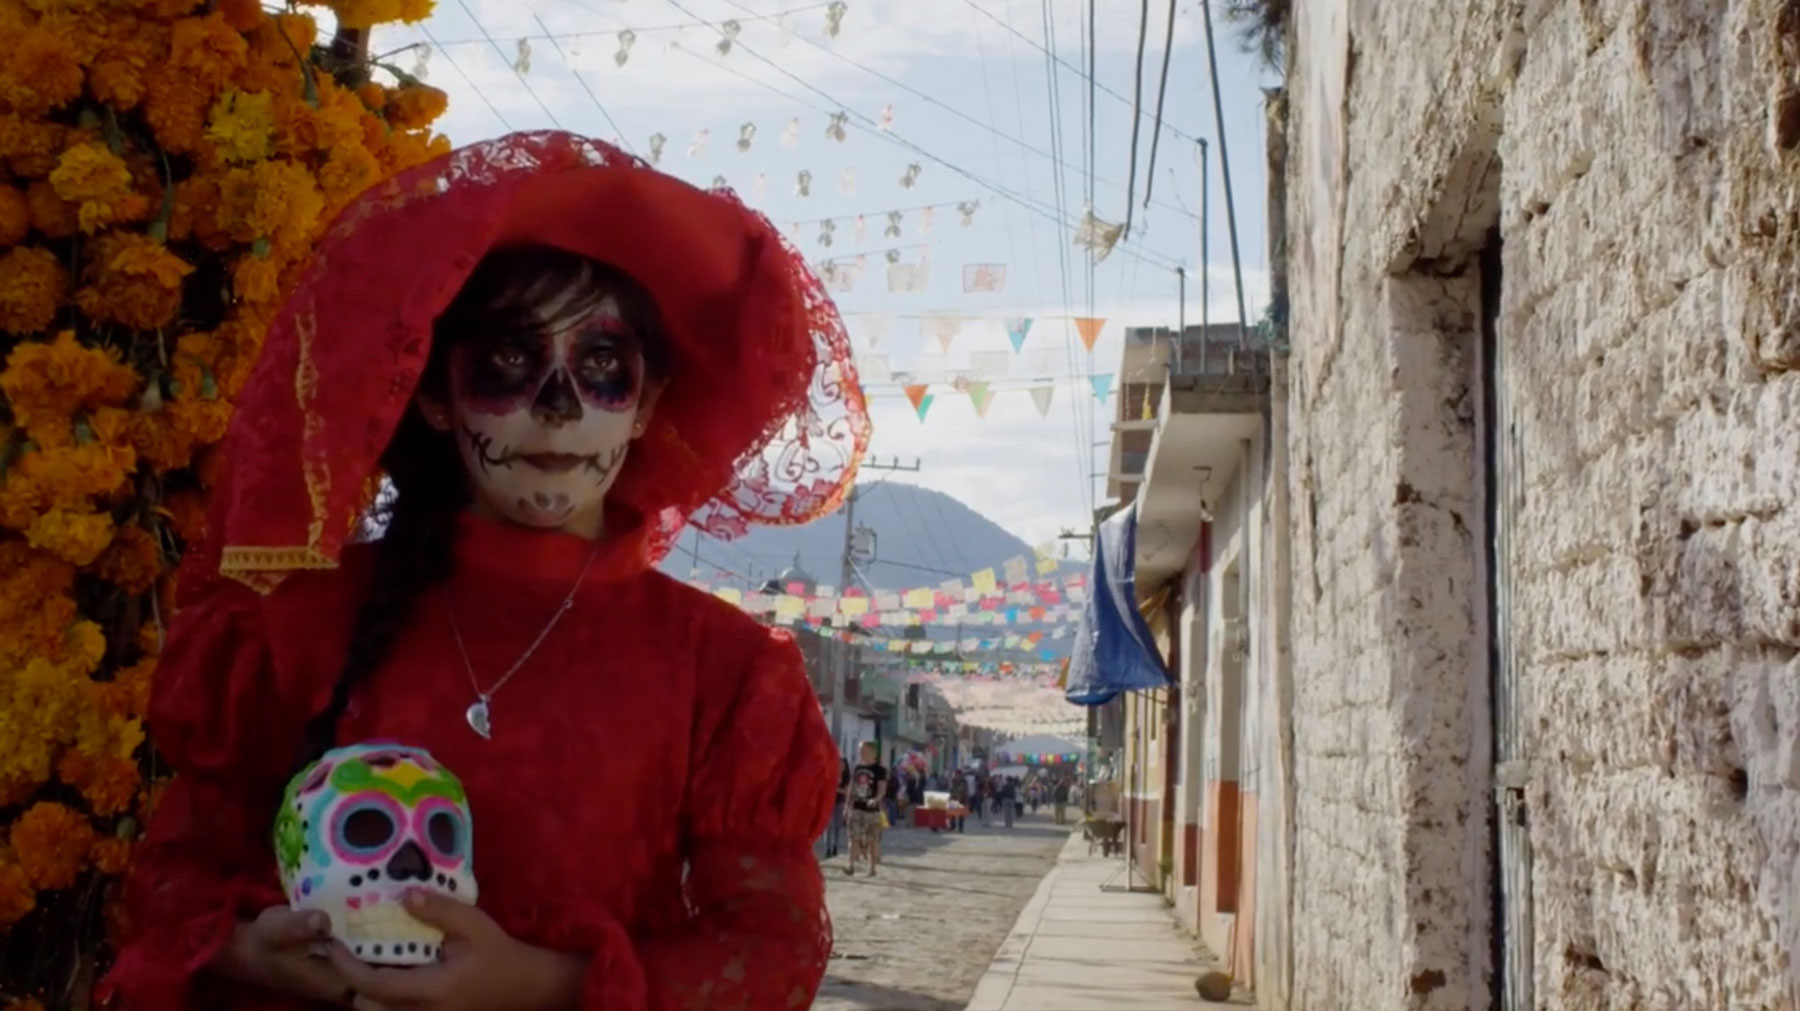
[29,144]
[242,15]
[196,212]
[242,126]
[207,51]
[416,106]
[15,216]
[350,170]
[32,285]
[165,9]
[99,183]
[51,215]
[110,854]
[365,13]
[132,280]
[51,842]
[41,72]
[133,561]
[414,11]
[84,646]
[77,537]
[276,200]
[50,381]
[17,899]
[373,95]
[186,511]
[175,108]
[202,421]
[133,682]
[158,442]
[256,279]
[120,74]
[108,783]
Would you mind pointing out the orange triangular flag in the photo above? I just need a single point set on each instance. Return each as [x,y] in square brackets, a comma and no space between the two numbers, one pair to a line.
[916,394]
[1089,329]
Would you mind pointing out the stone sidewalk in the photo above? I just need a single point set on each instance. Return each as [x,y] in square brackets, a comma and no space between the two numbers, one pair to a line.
[1077,948]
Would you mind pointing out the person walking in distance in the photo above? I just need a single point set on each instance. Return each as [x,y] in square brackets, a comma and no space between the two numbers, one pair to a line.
[1007,796]
[868,792]
[1060,796]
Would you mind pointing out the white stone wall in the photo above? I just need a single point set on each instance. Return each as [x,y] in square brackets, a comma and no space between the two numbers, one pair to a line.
[1647,190]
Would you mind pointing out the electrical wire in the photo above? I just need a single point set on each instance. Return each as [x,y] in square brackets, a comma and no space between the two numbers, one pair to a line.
[864,124]
[582,80]
[470,81]
[529,90]
[977,8]
[1137,101]
[958,113]
[1162,90]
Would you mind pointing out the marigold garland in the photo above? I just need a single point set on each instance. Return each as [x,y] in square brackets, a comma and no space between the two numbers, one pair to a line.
[165,167]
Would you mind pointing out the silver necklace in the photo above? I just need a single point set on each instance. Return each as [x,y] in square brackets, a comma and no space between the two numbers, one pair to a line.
[480,712]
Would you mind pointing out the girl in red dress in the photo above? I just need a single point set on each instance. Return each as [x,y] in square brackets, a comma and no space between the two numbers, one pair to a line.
[558,357]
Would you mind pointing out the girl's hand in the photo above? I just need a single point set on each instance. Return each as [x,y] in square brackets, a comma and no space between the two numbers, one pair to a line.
[482,969]
[285,951]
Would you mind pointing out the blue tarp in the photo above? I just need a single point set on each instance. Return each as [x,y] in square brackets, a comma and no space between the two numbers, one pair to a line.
[1114,649]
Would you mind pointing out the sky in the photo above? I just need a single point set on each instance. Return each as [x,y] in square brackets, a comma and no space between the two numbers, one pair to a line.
[946,103]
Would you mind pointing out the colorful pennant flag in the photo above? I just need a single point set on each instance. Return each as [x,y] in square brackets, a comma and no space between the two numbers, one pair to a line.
[1102,385]
[921,398]
[1089,329]
[1016,329]
[1040,395]
[981,397]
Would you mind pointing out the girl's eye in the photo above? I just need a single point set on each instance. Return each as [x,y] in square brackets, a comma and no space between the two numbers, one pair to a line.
[603,361]
[510,358]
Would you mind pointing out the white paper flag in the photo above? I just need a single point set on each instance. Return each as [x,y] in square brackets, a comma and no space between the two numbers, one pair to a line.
[878,324]
[874,368]
[909,278]
[1040,395]
[984,278]
[943,326]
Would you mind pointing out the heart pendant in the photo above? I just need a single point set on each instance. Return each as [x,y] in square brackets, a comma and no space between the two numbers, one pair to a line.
[477,715]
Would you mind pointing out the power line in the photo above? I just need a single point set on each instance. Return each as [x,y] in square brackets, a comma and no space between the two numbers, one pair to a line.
[1066,64]
[972,120]
[529,90]
[470,81]
[585,87]
[868,125]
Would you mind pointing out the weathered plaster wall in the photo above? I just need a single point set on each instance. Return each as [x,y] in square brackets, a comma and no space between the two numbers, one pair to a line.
[1647,189]
[1650,206]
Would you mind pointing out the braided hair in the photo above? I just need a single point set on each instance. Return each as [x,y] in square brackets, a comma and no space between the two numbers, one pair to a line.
[518,289]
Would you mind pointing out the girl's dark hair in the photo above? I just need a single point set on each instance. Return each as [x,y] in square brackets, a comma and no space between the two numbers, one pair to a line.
[514,289]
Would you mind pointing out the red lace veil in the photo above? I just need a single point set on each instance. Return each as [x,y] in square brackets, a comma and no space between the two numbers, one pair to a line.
[762,421]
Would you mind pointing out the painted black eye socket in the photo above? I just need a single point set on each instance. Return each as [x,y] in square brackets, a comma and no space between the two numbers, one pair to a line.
[445,833]
[367,829]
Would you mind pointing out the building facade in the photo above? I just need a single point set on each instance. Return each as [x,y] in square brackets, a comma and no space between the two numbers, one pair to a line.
[1541,408]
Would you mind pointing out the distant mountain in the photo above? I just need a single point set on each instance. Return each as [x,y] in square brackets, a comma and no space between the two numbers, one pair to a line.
[923,538]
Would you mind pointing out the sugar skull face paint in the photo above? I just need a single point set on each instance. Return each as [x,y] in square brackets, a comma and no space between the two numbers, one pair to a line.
[360,827]
[544,420]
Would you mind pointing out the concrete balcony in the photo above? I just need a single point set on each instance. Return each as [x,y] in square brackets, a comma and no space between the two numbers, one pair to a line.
[1212,402]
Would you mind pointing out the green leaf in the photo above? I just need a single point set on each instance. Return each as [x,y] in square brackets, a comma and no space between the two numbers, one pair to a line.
[84,432]
[262,247]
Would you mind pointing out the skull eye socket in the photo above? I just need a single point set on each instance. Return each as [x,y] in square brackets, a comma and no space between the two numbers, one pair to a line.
[444,829]
[368,828]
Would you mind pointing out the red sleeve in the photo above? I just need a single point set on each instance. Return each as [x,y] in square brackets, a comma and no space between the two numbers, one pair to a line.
[206,859]
[759,794]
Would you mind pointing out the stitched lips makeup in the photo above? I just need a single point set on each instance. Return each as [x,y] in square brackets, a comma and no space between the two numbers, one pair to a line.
[544,420]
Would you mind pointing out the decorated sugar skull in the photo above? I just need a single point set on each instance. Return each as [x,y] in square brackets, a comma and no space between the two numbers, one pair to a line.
[359,828]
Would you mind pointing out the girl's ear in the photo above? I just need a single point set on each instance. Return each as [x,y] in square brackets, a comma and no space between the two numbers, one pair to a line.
[435,412]
[646,409]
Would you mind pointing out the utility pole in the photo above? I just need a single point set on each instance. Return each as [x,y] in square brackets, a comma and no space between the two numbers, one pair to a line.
[847,578]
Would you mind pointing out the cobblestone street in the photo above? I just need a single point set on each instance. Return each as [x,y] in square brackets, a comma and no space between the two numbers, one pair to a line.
[919,936]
